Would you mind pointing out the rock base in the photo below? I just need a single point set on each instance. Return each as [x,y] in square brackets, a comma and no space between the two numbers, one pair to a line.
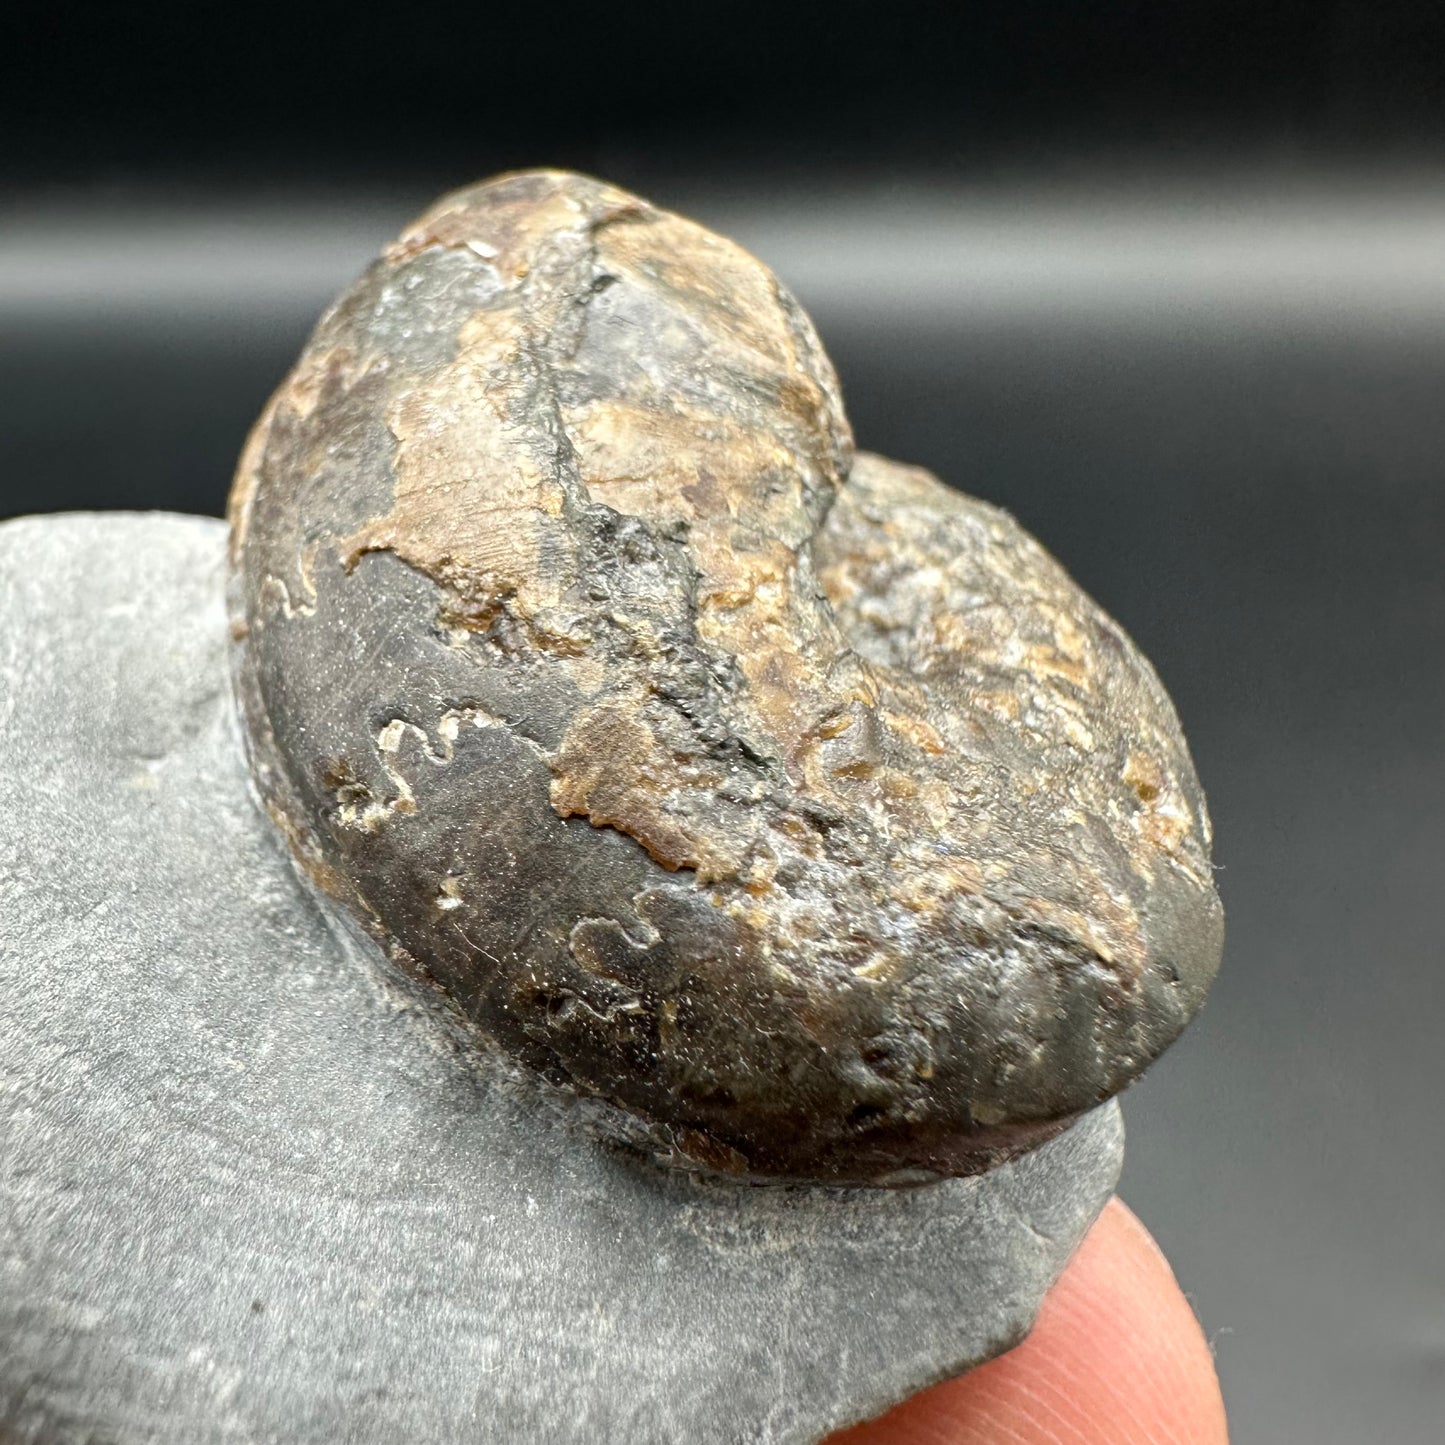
[251,1191]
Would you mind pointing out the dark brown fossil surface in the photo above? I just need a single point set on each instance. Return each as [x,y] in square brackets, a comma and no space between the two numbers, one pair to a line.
[798,806]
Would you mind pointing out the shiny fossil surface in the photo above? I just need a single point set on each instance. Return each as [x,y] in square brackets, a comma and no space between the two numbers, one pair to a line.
[795,805]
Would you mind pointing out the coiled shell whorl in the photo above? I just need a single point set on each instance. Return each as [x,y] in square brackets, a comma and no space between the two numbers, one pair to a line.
[796,806]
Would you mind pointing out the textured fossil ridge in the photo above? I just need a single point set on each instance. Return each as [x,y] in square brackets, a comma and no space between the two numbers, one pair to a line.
[796,805]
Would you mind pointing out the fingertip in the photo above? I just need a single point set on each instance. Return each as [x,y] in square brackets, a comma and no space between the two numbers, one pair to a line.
[1116,1358]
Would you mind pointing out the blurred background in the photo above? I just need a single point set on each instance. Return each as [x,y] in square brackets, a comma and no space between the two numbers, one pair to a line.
[1168,281]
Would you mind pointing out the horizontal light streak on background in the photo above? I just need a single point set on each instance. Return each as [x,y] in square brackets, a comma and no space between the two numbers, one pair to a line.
[917,256]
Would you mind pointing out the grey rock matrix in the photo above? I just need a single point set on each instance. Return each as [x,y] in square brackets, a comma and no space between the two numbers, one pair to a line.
[249,1189]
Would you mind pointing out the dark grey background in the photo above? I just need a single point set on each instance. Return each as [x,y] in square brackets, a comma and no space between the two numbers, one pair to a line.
[1171,286]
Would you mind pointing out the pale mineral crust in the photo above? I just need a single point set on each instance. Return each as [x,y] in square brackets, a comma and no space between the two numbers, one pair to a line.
[795,805]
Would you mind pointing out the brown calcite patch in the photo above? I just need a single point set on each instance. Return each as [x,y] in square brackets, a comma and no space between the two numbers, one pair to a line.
[798,808]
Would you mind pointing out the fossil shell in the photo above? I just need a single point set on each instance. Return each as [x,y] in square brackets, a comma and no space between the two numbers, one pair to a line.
[800,808]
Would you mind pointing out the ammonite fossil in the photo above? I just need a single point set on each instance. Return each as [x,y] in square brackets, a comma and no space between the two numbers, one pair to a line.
[795,806]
